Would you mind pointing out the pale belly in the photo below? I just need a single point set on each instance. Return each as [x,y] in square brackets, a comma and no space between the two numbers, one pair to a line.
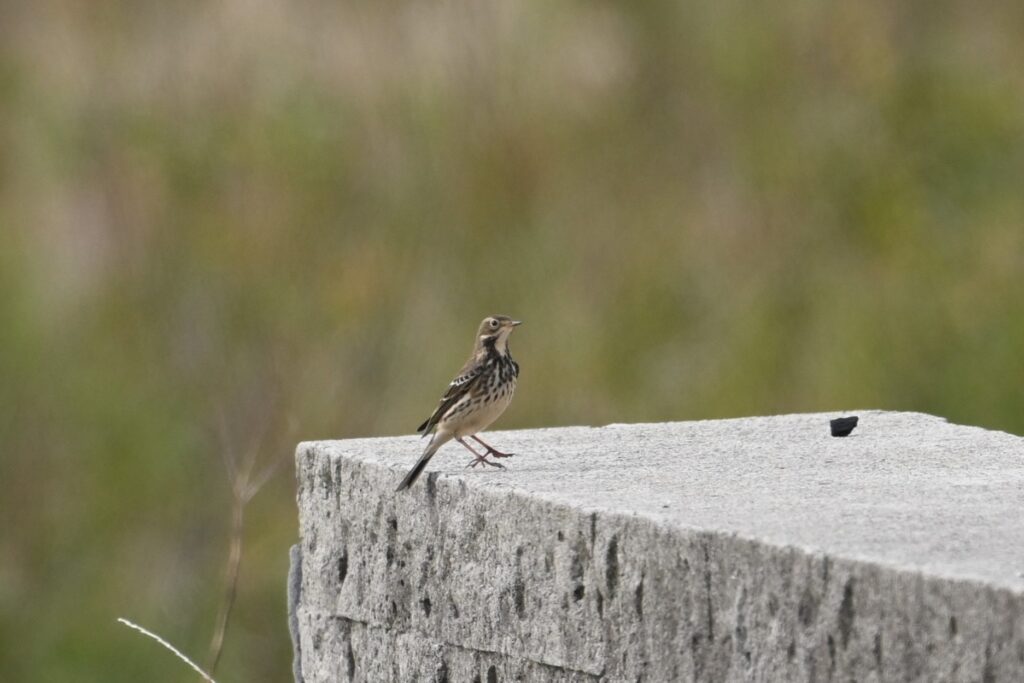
[475,415]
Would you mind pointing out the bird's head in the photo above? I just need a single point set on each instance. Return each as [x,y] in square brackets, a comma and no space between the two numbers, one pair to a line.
[496,329]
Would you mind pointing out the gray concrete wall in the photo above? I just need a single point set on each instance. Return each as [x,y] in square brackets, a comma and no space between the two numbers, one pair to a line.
[757,549]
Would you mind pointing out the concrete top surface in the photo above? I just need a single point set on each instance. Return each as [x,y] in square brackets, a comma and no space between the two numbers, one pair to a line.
[905,490]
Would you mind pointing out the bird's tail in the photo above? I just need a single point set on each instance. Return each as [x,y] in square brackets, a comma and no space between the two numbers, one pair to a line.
[436,442]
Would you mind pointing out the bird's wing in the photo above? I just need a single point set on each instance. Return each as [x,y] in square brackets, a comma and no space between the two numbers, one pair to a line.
[459,387]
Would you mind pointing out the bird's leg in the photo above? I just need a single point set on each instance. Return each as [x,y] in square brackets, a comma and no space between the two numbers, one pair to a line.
[490,449]
[478,459]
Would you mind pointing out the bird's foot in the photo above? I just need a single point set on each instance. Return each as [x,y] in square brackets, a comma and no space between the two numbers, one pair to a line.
[498,454]
[482,460]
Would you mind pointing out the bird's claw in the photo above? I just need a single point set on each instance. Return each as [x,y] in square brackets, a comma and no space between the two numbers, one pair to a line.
[484,461]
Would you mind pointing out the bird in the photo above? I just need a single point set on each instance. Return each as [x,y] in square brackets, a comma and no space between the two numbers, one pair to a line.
[477,396]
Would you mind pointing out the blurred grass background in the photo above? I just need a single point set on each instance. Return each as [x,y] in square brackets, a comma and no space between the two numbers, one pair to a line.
[289,218]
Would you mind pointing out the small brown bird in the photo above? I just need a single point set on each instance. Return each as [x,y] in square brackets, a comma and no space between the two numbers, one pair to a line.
[476,397]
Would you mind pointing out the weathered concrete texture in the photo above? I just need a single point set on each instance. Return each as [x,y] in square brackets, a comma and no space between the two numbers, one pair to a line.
[757,549]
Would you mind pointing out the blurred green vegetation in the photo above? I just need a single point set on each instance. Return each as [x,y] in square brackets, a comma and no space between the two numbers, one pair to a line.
[291,217]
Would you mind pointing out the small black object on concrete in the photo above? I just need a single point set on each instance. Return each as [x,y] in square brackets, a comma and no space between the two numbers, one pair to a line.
[842,426]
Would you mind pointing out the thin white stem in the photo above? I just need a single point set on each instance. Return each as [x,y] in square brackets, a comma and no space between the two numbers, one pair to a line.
[170,647]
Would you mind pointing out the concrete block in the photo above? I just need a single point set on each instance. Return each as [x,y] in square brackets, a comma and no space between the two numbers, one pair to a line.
[758,549]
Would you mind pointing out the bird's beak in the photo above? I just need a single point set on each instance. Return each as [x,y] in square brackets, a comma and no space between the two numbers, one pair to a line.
[516,323]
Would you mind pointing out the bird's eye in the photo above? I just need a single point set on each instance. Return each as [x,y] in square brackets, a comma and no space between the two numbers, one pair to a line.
[494,323]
